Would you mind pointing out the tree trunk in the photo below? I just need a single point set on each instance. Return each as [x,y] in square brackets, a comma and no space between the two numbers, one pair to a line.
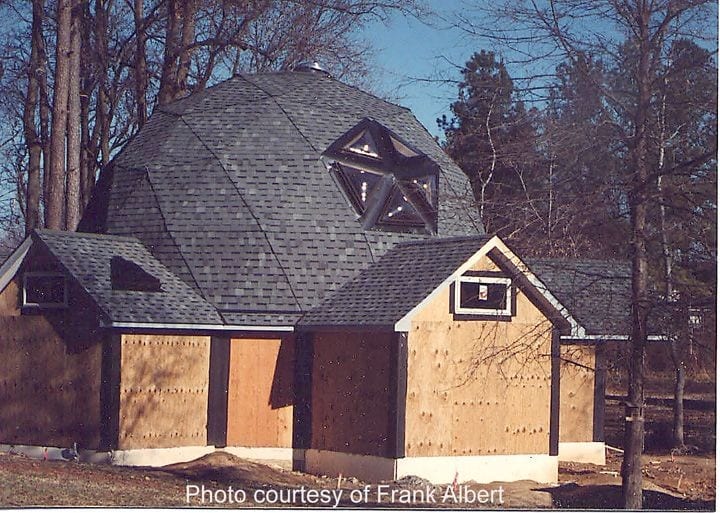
[44,108]
[679,396]
[87,84]
[72,191]
[101,131]
[640,162]
[55,199]
[168,78]
[140,65]
[187,38]
[33,140]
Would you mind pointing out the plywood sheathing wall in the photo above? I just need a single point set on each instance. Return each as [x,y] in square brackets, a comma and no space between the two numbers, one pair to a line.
[478,387]
[351,396]
[260,392]
[50,373]
[577,392]
[163,391]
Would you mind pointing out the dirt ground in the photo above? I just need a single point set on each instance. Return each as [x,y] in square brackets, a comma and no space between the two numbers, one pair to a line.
[681,482]
[672,482]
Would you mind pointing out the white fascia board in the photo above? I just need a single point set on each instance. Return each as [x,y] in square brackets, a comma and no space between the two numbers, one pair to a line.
[576,330]
[403,325]
[612,338]
[10,268]
[208,327]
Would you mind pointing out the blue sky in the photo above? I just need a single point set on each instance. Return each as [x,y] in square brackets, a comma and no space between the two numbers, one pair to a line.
[409,49]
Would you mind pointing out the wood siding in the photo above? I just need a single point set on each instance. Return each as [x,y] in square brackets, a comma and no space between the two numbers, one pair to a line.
[163,391]
[352,402]
[260,392]
[577,393]
[50,373]
[478,387]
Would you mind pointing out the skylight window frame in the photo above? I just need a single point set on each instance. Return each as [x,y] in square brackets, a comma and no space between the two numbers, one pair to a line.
[399,167]
[45,274]
[509,309]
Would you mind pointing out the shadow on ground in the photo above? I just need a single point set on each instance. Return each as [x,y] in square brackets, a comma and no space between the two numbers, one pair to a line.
[573,496]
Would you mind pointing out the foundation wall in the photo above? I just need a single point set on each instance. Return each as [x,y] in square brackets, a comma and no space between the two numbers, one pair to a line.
[478,387]
[352,402]
[163,391]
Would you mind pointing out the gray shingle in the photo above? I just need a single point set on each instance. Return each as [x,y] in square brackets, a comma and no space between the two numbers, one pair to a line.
[87,257]
[387,290]
[596,292]
[227,189]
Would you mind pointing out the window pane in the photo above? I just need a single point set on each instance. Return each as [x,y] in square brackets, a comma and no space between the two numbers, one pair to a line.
[423,192]
[364,145]
[358,184]
[45,289]
[402,149]
[490,296]
[399,211]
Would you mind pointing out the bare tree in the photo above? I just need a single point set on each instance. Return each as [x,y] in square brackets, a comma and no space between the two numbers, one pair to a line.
[571,30]
[72,195]
[33,138]
[55,190]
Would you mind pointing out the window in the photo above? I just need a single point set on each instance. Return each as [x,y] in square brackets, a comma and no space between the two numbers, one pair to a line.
[484,295]
[44,289]
[389,185]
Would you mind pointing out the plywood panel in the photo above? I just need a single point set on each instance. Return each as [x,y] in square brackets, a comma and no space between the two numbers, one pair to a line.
[49,383]
[478,387]
[352,404]
[260,394]
[10,298]
[577,393]
[163,390]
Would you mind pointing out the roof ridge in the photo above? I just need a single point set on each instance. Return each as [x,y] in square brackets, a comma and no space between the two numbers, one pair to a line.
[324,76]
[444,240]
[578,259]
[87,235]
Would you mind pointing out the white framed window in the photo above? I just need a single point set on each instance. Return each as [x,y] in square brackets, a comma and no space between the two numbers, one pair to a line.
[45,290]
[484,295]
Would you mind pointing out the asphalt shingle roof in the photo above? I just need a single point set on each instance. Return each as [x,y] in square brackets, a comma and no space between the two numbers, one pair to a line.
[387,290]
[87,257]
[227,189]
[596,292]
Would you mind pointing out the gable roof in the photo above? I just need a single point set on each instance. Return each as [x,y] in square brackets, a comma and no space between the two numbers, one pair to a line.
[227,189]
[87,259]
[592,297]
[386,291]
[596,292]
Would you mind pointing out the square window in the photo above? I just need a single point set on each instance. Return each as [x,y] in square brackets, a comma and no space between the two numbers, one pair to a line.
[46,290]
[483,295]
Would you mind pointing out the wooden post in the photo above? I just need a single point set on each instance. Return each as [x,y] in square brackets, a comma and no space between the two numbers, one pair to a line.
[398,390]
[110,392]
[599,399]
[302,410]
[218,391]
[555,392]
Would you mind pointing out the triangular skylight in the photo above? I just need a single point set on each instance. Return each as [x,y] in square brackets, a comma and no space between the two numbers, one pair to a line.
[398,210]
[364,145]
[388,183]
[359,184]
